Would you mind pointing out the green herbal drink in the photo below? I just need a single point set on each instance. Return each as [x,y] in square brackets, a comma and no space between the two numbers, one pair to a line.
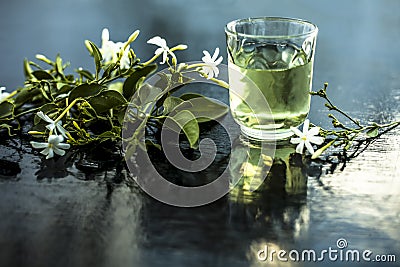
[283,74]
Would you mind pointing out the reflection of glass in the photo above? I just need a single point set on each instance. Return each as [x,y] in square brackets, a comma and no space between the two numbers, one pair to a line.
[276,55]
[286,172]
[276,213]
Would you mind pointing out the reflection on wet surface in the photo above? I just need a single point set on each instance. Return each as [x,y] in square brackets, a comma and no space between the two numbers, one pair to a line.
[85,209]
[63,218]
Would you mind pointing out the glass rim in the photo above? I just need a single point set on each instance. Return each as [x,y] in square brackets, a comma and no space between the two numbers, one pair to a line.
[314,29]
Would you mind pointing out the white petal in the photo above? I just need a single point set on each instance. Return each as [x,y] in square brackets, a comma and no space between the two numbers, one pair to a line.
[208,71]
[297,131]
[55,139]
[309,147]
[206,60]
[216,53]
[219,60]
[3,95]
[165,54]
[300,147]
[216,71]
[295,140]
[50,126]
[44,117]
[39,144]
[124,63]
[63,146]
[157,40]
[313,131]
[316,140]
[45,151]
[159,51]
[171,53]
[51,154]
[105,35]
[59,151]
[61,129]
[305,126]
[207,56]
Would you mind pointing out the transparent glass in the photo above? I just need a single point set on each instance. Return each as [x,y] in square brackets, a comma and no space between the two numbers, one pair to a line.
[274,56]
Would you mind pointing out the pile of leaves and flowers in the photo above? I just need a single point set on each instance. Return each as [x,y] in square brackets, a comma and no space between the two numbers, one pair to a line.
[86,108]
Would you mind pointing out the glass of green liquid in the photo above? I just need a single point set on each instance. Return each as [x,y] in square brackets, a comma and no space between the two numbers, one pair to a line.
[270,63]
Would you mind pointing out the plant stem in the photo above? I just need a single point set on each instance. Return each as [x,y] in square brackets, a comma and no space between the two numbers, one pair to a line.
[27,112]
[11,95]
[151,60]
[66,110]
[333,107]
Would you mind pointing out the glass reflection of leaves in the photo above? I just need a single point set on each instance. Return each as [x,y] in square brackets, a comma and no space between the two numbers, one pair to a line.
[256,171]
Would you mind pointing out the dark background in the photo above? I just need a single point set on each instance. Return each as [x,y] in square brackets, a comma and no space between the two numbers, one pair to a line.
[77,221]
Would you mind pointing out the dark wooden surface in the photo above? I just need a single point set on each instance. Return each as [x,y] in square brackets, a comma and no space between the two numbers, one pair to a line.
[78,211]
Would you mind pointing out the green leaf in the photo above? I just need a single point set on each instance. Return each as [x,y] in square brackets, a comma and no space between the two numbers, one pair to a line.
[85,73]
[117,86]
[42,75]
[62,89]
[203,108]
[132,83]
[107,100]
[59,65]
[150,143]
[6,110]
[45,94]
[85,90]
[97,57]
[373,132]
[189,96]
[26,94]
[186,121]
[148,94]
[164,81]
[170,103]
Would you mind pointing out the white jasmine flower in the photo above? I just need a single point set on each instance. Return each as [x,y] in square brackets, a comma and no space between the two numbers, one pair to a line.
[211,70]
[306,137]
[124,62]
[52,126]
[109,50]
[54,145]
[3,95]
[164,49]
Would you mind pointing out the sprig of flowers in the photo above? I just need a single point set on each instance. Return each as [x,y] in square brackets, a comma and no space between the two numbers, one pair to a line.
[85,108]
[164,50]
[345,135]
[89,107]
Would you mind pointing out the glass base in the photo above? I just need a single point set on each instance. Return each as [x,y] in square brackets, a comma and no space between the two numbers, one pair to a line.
[266,134]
